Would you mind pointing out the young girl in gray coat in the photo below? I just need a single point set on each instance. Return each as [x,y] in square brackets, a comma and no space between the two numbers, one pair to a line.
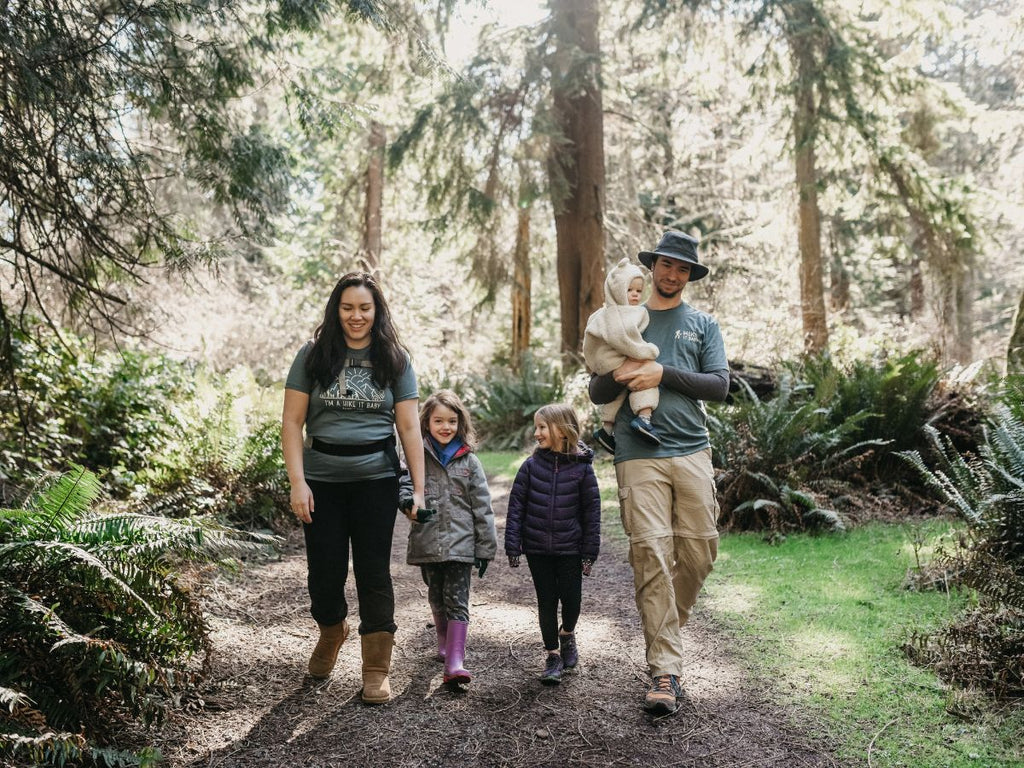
[448,545]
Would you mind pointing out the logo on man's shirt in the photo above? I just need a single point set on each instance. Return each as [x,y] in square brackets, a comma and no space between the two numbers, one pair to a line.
[688,335]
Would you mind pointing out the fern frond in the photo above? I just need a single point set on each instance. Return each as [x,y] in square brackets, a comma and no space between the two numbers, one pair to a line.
[62,500]
[153,537]
[47,556]
[47,749]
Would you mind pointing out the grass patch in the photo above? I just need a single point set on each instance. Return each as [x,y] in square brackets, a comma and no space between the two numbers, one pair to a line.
[502,465]
[826,616]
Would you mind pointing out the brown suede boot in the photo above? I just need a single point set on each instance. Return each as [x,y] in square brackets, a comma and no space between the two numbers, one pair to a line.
[326,652]
[376,666]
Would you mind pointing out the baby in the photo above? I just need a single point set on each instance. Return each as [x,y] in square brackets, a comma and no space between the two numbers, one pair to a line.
[613,335]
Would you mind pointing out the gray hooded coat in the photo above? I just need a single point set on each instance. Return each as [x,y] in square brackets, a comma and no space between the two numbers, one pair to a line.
[463,528]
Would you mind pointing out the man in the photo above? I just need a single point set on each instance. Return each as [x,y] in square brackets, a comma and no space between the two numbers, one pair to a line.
[667,492]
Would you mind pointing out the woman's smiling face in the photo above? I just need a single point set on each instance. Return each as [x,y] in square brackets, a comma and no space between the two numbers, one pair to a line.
[356,311]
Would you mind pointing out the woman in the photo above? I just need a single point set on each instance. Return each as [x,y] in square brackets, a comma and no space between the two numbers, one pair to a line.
[350,387]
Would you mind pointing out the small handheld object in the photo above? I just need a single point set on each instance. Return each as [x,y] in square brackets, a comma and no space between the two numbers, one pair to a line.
[513,561]
[422,514]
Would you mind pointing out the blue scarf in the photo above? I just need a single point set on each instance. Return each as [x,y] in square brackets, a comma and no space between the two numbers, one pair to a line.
[445,453]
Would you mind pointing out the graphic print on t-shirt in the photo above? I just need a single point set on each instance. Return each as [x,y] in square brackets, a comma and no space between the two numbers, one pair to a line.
[361,393]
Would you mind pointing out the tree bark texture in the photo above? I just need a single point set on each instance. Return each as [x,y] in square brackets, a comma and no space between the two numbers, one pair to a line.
[1015,349]
[372,212]
[521,288]
[805,128]
[576,167]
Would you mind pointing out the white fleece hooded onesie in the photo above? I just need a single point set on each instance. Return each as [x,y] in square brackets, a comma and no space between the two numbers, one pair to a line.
[613,336]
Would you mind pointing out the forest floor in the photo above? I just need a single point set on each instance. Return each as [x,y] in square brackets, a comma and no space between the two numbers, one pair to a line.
[258,709]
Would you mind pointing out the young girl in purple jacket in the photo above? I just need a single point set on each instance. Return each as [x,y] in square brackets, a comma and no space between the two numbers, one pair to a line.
[554,518]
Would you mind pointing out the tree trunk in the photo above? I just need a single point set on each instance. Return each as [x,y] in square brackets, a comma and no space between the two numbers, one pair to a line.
[805,128]
[576,167]
[1015,349]
[839,286]
[917,294]
[521,289]
[372,241]
[963,336]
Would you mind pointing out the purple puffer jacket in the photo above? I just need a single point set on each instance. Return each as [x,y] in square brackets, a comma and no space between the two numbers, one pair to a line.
[555,506]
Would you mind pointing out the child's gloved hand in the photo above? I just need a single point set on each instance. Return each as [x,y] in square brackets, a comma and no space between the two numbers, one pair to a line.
[588,564]
[513,561]
[481,565]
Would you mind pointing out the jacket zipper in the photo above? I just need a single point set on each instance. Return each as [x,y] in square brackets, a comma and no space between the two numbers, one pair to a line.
[551,510]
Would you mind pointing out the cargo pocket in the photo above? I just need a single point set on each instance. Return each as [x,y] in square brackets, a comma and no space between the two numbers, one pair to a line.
[625,510]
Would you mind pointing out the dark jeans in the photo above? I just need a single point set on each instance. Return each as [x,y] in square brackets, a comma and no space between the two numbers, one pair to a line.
[361,514]
[557,579]
[448,588]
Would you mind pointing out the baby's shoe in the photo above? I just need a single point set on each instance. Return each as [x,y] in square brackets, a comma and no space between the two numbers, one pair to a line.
[552,674]
[645,429]
[570,656]
[605,439]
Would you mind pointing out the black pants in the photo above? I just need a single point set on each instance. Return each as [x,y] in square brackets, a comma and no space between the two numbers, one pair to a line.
[361,514]
[557,579]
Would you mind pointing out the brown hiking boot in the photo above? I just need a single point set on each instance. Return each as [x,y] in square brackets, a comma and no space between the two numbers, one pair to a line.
[661,699]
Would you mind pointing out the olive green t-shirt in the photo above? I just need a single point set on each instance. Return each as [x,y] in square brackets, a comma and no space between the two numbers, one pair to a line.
[690,340]
[351,411]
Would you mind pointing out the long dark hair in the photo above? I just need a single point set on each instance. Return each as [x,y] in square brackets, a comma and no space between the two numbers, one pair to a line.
[327,356]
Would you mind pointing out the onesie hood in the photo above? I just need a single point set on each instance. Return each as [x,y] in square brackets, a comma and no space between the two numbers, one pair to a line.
[616,285]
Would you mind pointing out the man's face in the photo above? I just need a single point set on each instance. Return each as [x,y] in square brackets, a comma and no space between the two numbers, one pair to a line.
[670,276]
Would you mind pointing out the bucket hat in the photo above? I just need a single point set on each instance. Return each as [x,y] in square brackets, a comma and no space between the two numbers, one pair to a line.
[676,245]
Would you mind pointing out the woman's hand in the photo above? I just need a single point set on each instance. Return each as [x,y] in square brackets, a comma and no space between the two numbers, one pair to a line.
[302,501]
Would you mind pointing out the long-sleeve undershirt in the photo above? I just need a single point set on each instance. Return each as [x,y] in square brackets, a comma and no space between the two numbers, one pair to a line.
[712,386]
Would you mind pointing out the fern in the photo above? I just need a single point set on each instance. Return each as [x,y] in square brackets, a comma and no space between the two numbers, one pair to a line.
[503,403]
[775,448]
[987,492]
[94,627]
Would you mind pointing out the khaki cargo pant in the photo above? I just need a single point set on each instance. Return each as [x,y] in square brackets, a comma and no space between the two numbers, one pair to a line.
[669,512]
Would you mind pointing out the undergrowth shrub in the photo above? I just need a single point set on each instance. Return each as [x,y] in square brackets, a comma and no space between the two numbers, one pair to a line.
[226,457]
[987,492]
[889,400]
[177,438]
[771,452]
[96,630]
[111,412]
[503,402]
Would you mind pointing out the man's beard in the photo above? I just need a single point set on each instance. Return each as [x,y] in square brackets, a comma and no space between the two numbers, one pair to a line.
[667,294]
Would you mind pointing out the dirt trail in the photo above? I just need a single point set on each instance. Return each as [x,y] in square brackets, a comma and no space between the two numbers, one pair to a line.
[258,709]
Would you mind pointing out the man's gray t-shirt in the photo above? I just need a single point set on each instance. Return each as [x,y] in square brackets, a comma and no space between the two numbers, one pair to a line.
[690,340]
[360,412]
